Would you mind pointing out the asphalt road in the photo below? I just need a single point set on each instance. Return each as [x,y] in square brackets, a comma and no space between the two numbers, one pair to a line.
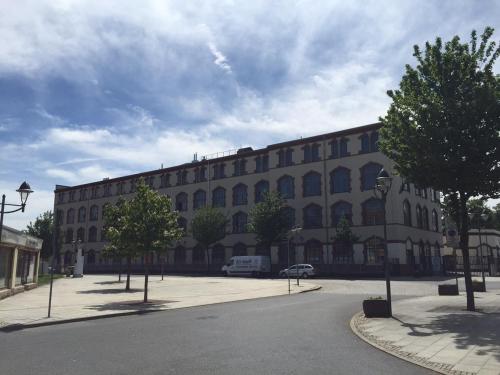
[299,334]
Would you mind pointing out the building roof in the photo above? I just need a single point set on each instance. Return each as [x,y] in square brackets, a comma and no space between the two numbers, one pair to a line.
[242,152]
[13,236]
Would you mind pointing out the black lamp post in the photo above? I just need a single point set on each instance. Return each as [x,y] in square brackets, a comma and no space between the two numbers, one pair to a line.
[296,229]
[24,191]
[382,186]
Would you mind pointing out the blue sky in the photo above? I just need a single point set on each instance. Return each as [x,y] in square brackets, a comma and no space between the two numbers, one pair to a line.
[94,89]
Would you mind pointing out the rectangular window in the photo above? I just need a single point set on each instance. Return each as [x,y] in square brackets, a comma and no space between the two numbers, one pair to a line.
[343,147]
[60,198]
[219,171]
[83,194]
[261,163]
[315,152]
[72,196]
[164,180]
[240,167]
[107,190]
[334,149]
[289,157]
[307,154]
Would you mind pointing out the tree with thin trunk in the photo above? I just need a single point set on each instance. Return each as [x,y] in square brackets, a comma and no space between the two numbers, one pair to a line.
[269,220]
[208,227]
[119,245]
[442,128]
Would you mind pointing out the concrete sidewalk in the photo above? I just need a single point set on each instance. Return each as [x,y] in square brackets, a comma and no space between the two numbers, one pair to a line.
[438,333]
[100,295]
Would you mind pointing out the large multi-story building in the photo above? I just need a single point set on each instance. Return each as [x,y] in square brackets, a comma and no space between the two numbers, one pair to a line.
[322,178]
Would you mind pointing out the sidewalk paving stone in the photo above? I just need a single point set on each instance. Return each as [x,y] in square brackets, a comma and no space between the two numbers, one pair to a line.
[439,333]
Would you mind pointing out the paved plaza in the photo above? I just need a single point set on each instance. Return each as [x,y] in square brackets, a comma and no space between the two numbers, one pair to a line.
[99,295]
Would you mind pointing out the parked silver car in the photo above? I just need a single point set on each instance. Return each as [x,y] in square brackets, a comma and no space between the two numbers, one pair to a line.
[302,270]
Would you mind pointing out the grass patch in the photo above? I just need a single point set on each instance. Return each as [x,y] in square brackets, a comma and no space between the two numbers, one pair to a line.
[45,279]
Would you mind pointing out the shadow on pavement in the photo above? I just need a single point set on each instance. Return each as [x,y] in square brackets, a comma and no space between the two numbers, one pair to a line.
[109,291]
[468,330]
[109,282]
[131,305]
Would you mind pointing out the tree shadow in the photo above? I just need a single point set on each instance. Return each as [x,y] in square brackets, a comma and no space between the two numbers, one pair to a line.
[109,291]
[151,305]
[108,282]
[478,329]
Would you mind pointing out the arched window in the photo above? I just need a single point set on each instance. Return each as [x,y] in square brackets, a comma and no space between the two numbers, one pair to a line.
[419,216]
[199,199]
[92,234]
[239,249]
[80,234]
[365,143]
[435,223]
[406,213]
[313,216]
[263,250]
[198,254]
[286,187]
[81,214]
[374,142]
[374,251]
[218,254]
[69,235]
[284,252]
[91,257]
[240,222]
[261,188]
[311,184]
[340,180]
[240,196]
[59,217]
[339,210]
[373,212]
[313,252]
[179,255]
[94,213]
[369,173]
[425,218]
[70,216]
[181,202]
[289,214]
[219,197]
[182,223]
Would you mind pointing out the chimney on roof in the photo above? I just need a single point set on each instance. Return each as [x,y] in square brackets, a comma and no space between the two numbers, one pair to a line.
[195,157]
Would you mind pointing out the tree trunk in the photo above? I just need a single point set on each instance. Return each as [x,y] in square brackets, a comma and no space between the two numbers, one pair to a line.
[129,266]
[146,276]
[120,272]
[208,260]
[464,245]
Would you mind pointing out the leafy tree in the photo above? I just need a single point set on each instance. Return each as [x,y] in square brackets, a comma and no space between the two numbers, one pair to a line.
[343,232]
[147,225]
[208,227]
[119,245]
[443,126]
[43,228]
[269,221]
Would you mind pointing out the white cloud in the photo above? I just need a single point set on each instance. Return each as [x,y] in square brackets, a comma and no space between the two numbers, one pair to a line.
[220,59]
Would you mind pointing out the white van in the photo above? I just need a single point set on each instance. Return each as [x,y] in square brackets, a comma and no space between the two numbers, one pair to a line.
[248,266]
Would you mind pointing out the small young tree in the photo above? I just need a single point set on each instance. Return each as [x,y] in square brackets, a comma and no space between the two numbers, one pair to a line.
[119,245]
[208,227]
[443,126]
[151,225]
[269,220]
[344,235]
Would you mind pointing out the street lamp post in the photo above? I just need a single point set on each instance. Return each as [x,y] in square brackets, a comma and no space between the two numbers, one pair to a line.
[382,186]
[24,191]
[296,229]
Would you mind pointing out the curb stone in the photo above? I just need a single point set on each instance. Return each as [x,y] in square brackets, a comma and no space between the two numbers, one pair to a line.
[20,326]
[388,346]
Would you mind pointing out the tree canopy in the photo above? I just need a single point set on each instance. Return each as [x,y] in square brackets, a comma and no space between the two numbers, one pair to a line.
[208,227]
[442,128]
[43,228]
[269,220]
[144,224]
